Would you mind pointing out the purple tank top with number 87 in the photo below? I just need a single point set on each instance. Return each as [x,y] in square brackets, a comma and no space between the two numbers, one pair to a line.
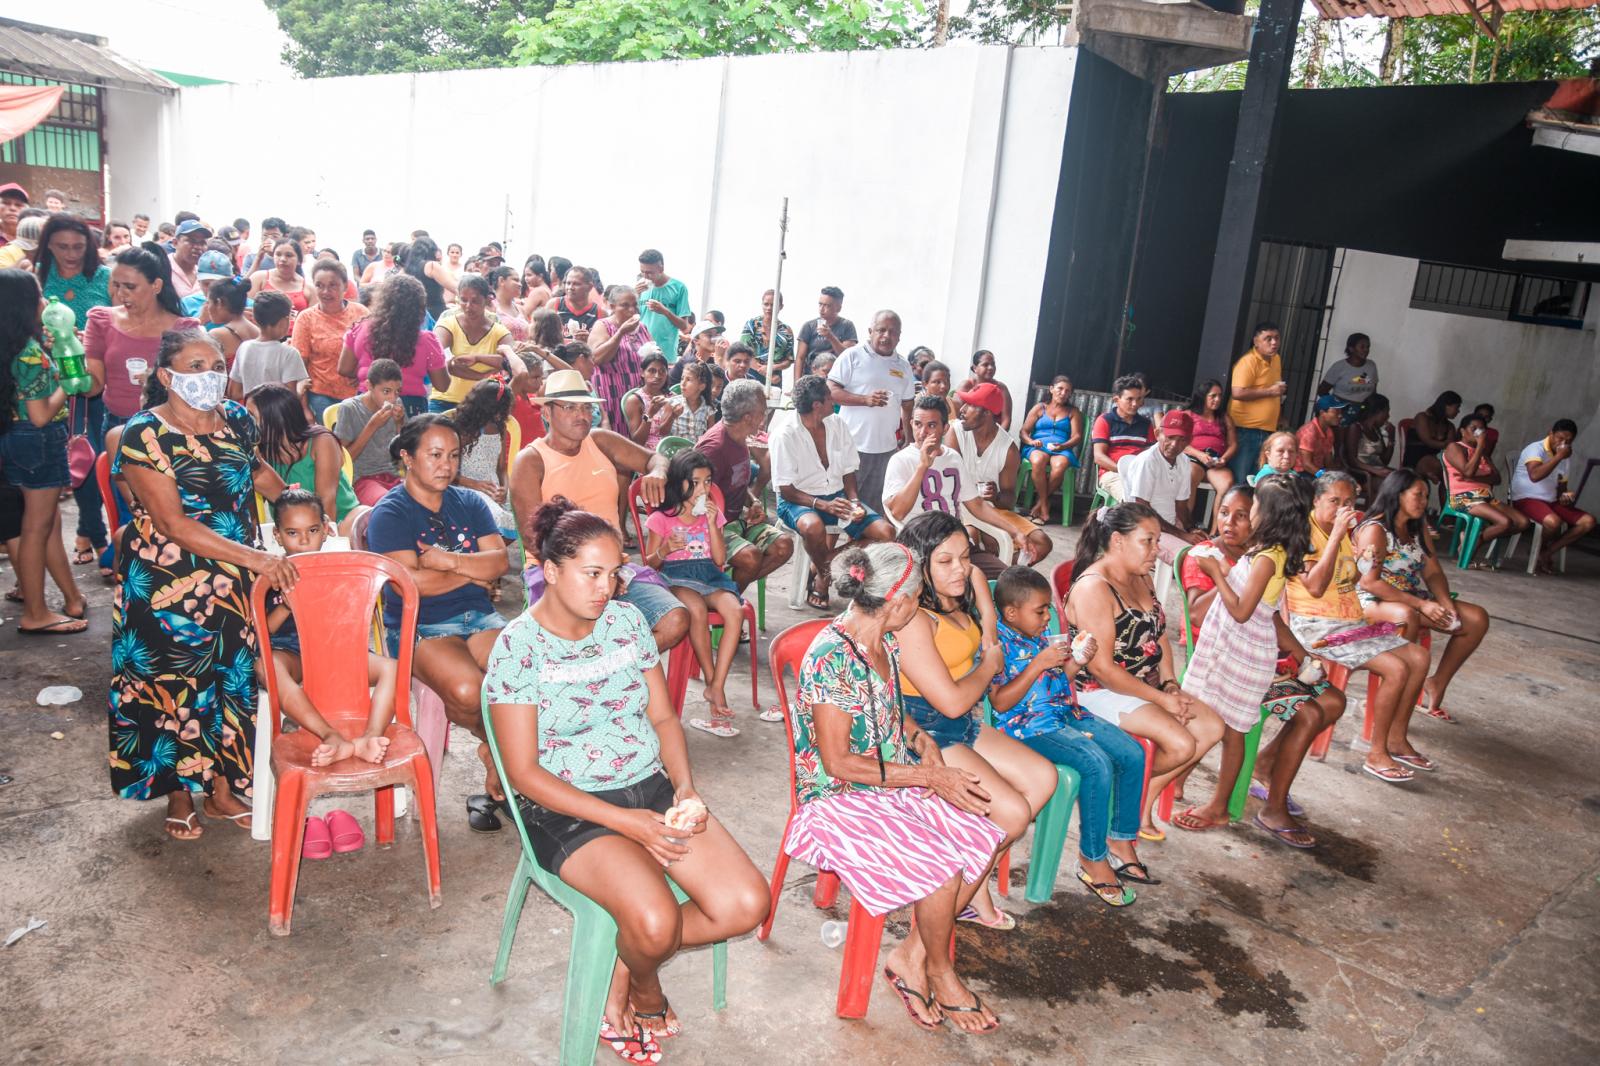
[934,484]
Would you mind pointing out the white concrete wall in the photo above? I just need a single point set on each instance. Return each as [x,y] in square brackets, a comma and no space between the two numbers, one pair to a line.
[922,180]
[138,153]
[1532,374]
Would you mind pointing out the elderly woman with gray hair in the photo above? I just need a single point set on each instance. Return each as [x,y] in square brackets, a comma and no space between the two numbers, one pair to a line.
[877,804]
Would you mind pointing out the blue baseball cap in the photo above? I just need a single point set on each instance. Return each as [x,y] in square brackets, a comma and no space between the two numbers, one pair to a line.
[1330,402]
[214,266]
[194,225]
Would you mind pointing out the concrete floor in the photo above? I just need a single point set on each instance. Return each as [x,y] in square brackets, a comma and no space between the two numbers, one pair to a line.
[1455,920]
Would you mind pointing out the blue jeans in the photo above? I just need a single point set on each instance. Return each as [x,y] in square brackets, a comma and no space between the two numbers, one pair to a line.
[1110,767]
[414,405]
[318,404]
[89,418]
[440,407]
[1247,460]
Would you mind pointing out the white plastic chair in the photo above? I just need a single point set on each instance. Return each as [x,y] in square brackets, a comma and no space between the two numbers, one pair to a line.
[1537,531]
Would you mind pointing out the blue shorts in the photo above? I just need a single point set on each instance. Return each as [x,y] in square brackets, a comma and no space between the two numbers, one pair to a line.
[289,642]
[791,513]
[1036,454]
[440,407]
[35,457]
[653,601]
[462,625]
[945,731]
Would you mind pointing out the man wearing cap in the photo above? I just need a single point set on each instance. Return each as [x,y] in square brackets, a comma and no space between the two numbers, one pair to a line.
[1159,477]
[575,460]
[990,460]
[187,248]
[706,344]
[13,198]
[23,245]
[873,385]
[1315,438]
[663,302]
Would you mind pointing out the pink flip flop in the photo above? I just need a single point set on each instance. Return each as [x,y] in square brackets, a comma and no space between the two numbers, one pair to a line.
[346,832]
[318,843]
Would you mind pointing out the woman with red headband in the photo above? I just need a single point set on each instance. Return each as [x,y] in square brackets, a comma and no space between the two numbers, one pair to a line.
[877,804]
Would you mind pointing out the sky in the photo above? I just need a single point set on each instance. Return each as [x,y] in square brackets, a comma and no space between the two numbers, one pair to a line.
[233,40]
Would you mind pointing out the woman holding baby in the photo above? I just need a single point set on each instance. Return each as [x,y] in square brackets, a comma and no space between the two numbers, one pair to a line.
[593,750]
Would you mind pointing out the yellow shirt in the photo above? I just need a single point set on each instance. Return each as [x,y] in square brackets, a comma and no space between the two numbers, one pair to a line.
[1274,589]
[1339,601]
[459,345]
[1254,372]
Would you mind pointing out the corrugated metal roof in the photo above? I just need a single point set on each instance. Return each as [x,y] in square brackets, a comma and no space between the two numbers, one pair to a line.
[79,58]
[1346,9]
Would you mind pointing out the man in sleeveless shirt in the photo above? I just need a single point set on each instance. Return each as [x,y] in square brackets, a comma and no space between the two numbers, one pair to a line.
[578,308]
[581,463]
[990,459]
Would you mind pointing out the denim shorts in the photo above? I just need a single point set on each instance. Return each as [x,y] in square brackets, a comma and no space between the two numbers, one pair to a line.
[945,731]
[555,837]
[791,513]
[35,457]
[653,601]
[289,642]
[462,625]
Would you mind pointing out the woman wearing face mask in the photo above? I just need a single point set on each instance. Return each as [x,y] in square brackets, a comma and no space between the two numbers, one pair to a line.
[183,654]
[319,333]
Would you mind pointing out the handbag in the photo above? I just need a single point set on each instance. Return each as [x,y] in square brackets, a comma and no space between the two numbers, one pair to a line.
[80,453]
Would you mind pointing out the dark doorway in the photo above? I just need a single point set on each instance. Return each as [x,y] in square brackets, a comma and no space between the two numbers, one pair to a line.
[1291,289]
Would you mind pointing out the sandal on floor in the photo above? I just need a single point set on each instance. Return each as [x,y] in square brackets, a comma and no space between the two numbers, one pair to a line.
[1259,791]
[1282,835]
[1005,923]
[187,823]
[1124,895]
[14,596]
[1393,775]
[1416,762]
[481,816]
[1425,705]
[666,1005]
[85,556]
[345,831]
[317,843]
[907,994]
[976,1008]
[1154,836]
[635,1048]
[817,600]
[1141,877]
[65,627]
[715,728]
[771,714]
[1188,812]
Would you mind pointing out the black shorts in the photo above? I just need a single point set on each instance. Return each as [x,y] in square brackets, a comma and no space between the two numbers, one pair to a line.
[556,837]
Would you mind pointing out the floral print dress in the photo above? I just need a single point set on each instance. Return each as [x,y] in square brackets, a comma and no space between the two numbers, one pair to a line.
[183,651]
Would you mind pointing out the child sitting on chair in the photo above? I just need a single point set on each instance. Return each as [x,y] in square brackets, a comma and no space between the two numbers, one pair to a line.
[300,525]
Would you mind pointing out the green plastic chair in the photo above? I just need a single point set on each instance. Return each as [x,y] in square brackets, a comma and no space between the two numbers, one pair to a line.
[670,446]
[1252,739]
[1026,492]
[592,956]
[1464,532]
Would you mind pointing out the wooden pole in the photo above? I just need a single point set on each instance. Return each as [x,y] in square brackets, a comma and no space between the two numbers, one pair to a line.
[777,293]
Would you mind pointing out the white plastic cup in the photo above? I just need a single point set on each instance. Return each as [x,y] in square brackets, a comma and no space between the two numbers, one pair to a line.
[833,933]
[137,368]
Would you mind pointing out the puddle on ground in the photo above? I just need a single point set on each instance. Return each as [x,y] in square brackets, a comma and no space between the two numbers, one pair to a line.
[1073,951]
[1346,855]
[1591,804]
[1236,894]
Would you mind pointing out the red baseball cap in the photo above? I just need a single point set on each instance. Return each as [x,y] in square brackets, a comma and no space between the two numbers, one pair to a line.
[987,395]
[11,188]
[1177,424]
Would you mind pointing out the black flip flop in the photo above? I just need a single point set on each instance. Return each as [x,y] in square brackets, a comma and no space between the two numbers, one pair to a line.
[907,994]
[1141,878]
[976,1008]
[54,629]
[481,816]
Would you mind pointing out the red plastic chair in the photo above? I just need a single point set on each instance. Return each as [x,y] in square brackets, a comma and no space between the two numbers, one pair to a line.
[1061,580]
[865,933]
[335,587]
[108,494]
[681,664]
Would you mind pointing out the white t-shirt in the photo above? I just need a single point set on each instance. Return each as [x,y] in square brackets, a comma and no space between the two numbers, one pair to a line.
[1149,477]
[795,460]
[863,371]
[259,362]
[1524,487]
[1353,383]
[986,465]
[945,487]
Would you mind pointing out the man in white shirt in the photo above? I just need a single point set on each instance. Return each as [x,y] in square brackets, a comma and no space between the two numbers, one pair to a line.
[927,476]
[873,386]
[991,460]
[1539,490]
[1159,477]
[817,497]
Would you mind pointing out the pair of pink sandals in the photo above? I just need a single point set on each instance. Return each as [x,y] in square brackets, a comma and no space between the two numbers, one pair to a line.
[338,832]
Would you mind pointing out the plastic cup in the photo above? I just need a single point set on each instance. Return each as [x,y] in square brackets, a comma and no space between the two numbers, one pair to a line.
[137,368]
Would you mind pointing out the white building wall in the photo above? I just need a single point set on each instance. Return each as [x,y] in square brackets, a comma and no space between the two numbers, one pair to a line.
[922,180]
[137,148]
[1532,374]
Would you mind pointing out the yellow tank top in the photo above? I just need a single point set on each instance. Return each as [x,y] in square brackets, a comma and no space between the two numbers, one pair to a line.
[955,644]
[460,345]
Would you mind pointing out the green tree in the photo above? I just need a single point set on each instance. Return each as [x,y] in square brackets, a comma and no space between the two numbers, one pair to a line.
[1012,21]
[601,31]
[328,38]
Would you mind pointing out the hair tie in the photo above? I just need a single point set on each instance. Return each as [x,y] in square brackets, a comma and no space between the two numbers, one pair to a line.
[1100,515]
[237,278]
[858,572]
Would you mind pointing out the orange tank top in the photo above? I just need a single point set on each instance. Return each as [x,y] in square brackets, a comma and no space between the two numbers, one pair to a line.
[587,479]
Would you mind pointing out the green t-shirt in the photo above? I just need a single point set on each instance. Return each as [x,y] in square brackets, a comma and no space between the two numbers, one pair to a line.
[36,378]
[674,296]
[304,473]
[833,672]
[79,292]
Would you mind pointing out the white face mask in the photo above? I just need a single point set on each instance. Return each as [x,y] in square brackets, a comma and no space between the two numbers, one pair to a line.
[203,391]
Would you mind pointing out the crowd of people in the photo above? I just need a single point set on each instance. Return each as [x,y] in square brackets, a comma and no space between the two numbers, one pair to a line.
[234,381]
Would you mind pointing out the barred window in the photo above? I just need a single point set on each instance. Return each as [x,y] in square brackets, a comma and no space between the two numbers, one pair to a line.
[1500,294]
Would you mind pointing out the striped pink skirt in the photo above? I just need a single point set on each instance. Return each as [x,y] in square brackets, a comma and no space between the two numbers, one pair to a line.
[1234,664]
[892,847]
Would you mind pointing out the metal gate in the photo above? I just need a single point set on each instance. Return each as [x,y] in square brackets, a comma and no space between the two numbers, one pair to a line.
[1291,289]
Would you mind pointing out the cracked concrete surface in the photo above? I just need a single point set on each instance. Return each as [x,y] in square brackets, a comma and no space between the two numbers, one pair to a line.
[1453,920]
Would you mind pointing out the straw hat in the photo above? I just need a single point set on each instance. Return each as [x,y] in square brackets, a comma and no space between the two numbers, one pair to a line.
[567,386]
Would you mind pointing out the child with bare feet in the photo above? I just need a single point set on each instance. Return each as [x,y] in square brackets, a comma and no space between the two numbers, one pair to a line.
[301,526]
[683,540]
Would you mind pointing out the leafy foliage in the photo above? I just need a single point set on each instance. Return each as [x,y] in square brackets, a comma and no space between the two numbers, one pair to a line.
[1012,21]
[328,38]
[600,31]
